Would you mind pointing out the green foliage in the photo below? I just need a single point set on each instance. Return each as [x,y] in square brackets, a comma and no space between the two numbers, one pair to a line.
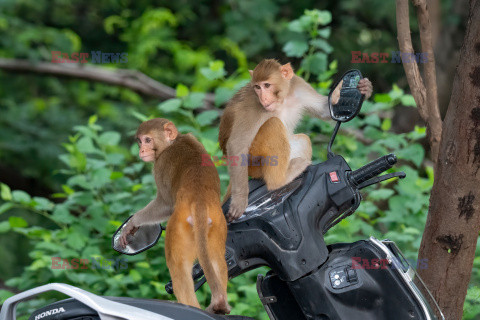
[197,47]
[310,43]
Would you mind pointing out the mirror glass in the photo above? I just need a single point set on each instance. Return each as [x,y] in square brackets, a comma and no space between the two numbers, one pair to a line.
[144,238]
[345,100]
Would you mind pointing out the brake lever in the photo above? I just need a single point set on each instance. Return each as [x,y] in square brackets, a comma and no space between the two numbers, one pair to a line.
[367,183]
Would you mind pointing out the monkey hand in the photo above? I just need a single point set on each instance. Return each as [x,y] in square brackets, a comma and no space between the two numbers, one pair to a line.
[129,228]
[365,87]
[237,207]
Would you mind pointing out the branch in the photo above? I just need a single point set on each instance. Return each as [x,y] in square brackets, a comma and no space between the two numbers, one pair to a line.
[434,120]
[425,98]
[130,79]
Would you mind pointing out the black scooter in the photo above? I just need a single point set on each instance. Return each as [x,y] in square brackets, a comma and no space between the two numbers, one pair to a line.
[283,229]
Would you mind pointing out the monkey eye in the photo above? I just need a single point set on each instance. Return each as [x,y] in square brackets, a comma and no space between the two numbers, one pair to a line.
[267,85]
[257,87]
[148,140]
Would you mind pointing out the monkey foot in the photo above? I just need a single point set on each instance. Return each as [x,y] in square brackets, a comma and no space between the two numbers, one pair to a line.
[220,307]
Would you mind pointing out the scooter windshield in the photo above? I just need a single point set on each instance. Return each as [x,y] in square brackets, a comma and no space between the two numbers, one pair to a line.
[412,278]
[269,200]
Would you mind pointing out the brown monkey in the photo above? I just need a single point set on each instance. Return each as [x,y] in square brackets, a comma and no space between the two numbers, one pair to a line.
[259,121]
[190,194]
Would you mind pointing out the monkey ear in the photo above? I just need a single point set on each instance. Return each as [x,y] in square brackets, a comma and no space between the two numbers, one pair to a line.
[170,131]
[287,71]
[251,73]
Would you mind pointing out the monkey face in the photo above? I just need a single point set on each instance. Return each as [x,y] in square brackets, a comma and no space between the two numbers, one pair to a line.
[146,142]
[267,94]
[153,141]
[271,83]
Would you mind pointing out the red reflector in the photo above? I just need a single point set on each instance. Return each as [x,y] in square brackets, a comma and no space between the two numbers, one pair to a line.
[333,176]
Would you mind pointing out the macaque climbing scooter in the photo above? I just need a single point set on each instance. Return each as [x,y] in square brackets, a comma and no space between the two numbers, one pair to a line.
[283,230]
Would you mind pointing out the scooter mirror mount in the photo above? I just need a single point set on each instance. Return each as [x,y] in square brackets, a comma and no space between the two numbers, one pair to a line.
[144,238]
[344,101]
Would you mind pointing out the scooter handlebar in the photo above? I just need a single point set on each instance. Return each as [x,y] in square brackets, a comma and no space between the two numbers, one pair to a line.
[373,169]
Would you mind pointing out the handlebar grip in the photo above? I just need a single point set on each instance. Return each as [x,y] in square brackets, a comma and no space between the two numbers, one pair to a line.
[373,169]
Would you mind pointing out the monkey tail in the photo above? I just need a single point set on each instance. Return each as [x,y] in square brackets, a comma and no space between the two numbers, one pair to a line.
[201,230]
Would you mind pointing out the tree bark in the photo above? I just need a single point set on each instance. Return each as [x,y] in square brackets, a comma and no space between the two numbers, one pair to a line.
[453,221]
[447,51]
[425,95]
[426,38]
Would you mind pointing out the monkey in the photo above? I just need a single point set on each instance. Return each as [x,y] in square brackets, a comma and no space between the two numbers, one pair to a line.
[188,196]
[259,121]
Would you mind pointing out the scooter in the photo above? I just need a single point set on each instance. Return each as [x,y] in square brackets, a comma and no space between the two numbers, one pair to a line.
[283,230]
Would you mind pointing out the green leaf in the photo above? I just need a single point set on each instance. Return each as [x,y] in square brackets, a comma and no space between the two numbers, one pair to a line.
[373,120]
[414,153]
[136,276]
[139,116]
[396,92]
[42,204]
[296,26]
[382,97]
[417,133]
[85,145]
[194,100]
[62,215]
[381,194]
[83,198]
[115,159]
[408,100]
[92,119]
[214,71]
[386,124]
[116,175]
[5,207]
[86,131]
[5,192]
[79,180]
[206,118]
[325,33]
[76,240]
[316,63]
[170,105]
[21,197]
[109,138]
[322,17]
[321,44]
[182,91]
[17,222]
[100,177]
[295,48]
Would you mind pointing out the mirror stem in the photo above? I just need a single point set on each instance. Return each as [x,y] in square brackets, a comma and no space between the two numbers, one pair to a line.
[335,131]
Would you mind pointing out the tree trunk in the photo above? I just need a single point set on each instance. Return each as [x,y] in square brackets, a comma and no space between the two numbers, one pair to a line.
[453,221]
[424,92]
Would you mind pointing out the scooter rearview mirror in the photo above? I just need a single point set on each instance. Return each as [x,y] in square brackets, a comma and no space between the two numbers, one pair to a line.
[144,238]
[345,100]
